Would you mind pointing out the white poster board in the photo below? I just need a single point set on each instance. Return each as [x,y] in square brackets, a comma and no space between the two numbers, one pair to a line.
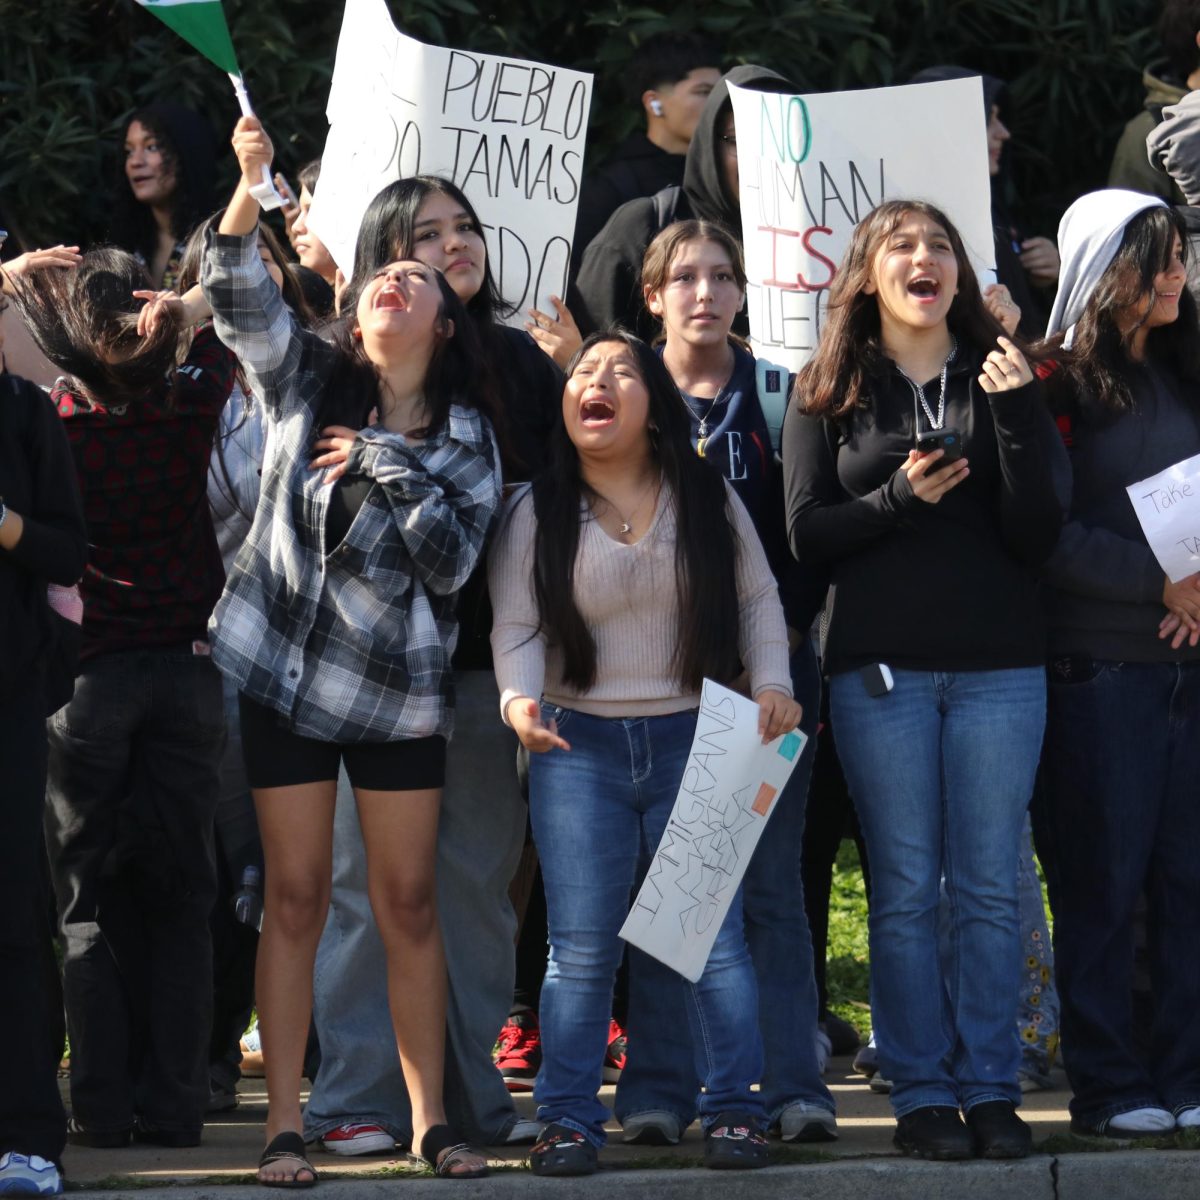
[509,132]
[811,167]
[1168,507]
[728,791]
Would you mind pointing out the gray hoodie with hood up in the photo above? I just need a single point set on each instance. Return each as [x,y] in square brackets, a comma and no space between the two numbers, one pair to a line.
[608,290]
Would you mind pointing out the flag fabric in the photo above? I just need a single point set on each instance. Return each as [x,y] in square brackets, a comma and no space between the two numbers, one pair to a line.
[201,23]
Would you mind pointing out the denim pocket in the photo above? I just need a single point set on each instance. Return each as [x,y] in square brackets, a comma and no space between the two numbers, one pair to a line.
[556,713]
[1071,670]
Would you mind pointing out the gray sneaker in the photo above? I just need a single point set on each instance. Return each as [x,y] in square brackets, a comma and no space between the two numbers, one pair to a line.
[654,1128]
[803,1122]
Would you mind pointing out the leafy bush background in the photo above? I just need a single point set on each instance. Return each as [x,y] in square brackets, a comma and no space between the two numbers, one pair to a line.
[72,70]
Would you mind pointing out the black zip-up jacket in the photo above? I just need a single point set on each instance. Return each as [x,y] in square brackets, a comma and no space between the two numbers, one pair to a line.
[37,480]
[947,586]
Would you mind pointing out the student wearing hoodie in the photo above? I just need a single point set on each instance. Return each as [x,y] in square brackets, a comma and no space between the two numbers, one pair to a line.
[1122,749]
[1167,82]
[608,287]
[668,79]
[1174,147]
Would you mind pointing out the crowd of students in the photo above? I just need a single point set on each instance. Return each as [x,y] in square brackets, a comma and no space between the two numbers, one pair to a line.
[351,587]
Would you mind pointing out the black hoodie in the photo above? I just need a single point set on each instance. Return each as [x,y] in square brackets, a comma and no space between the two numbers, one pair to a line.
[608,290]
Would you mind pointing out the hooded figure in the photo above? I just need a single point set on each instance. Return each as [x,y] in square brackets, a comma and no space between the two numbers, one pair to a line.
[1089,236]
[608,290]
[1173,147]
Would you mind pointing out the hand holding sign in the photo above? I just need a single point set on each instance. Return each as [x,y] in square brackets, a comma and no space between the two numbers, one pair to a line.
[1168,508]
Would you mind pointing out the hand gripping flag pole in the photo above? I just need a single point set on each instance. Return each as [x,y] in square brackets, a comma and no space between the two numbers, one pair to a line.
[201,23]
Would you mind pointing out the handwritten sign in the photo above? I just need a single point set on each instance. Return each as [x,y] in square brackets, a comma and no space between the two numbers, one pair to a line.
[729,788]
[509,132]
[1168,507]
[811,167]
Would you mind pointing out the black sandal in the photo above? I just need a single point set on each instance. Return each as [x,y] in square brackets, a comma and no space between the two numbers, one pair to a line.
[287,1147]
[734,1141]
[441,1150]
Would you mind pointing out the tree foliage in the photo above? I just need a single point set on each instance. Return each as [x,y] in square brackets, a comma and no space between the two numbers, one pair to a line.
[75,69]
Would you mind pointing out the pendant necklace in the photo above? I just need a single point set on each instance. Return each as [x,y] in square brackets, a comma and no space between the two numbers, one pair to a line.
[919,392]
[626,526]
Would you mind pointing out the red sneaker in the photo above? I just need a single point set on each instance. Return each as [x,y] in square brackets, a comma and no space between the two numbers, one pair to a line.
[358,1139]
[519,1051]
[614,1056]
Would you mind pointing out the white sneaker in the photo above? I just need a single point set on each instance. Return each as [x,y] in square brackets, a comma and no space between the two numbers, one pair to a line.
[801,1122]
[1149,1121]
[655,1128]
[28,1175]
[354,1139]
[1188,1118]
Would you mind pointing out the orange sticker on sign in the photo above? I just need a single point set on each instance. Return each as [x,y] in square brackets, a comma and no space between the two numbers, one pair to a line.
[762,802]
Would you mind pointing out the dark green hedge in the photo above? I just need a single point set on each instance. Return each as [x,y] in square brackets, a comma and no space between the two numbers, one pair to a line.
[74,69]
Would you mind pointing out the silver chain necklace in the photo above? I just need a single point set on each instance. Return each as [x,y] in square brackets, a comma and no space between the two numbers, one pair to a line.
[919,392]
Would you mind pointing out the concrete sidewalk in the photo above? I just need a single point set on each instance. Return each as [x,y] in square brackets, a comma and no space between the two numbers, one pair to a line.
[861,1165]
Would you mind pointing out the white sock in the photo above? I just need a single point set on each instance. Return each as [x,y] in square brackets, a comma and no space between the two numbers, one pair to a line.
[1144,1120]
[1189,1118]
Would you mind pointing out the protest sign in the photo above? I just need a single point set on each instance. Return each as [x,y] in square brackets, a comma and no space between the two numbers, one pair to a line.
[811,167]
[728,790]
[509,132]
[1168,507]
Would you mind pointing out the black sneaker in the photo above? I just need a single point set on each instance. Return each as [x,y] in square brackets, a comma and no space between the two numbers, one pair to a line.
[998,1131]
[79,1134]
[735,1142]
[935,1132]
[149,1134]
[562,1151]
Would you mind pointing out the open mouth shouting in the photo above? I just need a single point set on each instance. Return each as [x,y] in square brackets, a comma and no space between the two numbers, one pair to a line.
[924,289]
[596,412]
[390,297]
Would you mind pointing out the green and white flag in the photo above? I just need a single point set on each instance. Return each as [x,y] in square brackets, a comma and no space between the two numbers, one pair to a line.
[201,23]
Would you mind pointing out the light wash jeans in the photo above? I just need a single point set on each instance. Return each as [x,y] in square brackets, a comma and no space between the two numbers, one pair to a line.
[596,811]
[662,1072]
[480,836]
[941,770]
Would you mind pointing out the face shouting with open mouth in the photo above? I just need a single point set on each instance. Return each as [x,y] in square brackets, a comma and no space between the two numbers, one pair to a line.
[915,274]
[605,403]
[401,299]
[150,173]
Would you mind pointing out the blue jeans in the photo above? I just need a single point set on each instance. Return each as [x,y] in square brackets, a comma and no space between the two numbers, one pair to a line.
[941,770]
[661,1074]
[480,834]
[1122,817]
[597,810]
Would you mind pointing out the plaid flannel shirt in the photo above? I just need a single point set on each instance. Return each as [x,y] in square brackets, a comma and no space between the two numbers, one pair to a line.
[352,645]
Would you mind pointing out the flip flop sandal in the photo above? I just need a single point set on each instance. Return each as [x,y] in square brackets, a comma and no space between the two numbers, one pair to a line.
[734,1142]
[287,1148]
[562,1151]
[441,1151]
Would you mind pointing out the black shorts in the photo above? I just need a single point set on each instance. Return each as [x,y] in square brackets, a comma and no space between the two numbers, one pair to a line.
[277,757]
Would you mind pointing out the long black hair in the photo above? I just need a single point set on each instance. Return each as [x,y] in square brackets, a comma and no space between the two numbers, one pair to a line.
[452,377]
[705,553]
[388,233]
[1097,370]
[84,320]
[189,147]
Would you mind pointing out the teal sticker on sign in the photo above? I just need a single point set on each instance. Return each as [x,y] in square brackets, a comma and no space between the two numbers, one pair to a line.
[789,746]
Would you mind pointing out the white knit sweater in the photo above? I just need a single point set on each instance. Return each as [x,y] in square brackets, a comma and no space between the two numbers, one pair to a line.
[626,594]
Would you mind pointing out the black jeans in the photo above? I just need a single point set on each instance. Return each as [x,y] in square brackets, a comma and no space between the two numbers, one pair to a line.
[32,1120]
[131,795]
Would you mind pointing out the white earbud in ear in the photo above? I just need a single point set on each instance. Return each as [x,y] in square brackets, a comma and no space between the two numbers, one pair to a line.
[656,107]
